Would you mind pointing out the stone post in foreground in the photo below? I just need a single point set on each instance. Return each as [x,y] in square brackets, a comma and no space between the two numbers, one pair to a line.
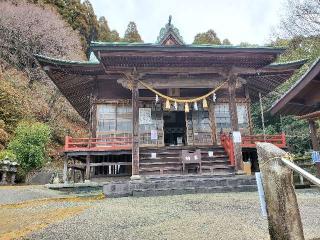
[283,212]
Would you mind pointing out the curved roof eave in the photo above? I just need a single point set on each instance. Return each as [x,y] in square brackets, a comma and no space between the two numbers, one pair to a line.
[57,61]
[284,99]
[96,46]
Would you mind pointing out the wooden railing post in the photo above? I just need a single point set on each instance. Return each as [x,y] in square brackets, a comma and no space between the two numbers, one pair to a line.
[283,137]
[66,143]
[282,208]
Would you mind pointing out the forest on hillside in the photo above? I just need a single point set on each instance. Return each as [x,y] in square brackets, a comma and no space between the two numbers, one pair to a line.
[35,117]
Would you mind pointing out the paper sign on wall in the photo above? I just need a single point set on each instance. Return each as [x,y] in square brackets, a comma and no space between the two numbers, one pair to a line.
[236,137]
[154,135]
[145,116]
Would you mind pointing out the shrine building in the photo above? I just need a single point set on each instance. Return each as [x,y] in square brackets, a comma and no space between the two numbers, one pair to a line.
[151,107]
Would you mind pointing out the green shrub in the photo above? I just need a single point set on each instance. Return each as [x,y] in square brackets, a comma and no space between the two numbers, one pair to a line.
[7,154]
[29,144]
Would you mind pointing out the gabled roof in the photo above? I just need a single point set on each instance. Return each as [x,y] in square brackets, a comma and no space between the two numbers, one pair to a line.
[169,35]
[303,97]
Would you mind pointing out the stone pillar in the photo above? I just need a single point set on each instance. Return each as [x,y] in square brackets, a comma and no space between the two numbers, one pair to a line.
[13,178]
[135,129]
[88,159]
[314,140]
[234,122]
[65,170]
[4,177]
[282,207]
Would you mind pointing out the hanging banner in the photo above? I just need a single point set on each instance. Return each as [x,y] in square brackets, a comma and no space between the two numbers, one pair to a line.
[315,155]
[145,116]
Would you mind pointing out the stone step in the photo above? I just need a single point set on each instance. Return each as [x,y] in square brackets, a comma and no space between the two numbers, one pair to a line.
[192,190]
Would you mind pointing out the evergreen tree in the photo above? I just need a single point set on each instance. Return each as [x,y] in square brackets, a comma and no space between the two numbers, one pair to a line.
[226,42]
[247,44]
[91,21]
[115,36]
[209,37]
[132,34]
[104,33]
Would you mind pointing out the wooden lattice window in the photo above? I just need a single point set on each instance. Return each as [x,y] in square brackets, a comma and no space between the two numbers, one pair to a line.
[222,115]
[115,119]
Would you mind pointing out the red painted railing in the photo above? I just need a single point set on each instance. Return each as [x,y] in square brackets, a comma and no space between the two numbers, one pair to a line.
[249,141]
[97,144]
[226,142]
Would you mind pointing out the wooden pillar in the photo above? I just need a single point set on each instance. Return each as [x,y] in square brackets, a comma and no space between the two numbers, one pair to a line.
[282,207]
[135,128]
[313,135]
[212,122]
[88,159]
[234,122]
[65,170]
[314,140]
[249,109]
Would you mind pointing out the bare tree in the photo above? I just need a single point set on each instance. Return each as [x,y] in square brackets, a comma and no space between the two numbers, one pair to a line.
[27,29]
[301,18]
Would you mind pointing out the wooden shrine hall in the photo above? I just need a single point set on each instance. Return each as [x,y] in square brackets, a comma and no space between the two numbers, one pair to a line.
[147,105]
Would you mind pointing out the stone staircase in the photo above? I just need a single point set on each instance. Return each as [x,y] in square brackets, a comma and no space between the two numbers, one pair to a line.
[168,160]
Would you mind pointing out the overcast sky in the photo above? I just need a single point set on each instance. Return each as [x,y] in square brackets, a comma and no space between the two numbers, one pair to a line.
[238,20]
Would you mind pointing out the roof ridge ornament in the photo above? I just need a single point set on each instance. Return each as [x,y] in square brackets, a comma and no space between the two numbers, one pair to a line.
[170,35]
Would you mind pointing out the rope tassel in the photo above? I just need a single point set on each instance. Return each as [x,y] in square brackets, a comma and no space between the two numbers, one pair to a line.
[167,105]
[195,106]
[175,106]
[205,103]
[186,107]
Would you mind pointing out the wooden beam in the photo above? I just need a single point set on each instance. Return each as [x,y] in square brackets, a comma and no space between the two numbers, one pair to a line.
[313,115]
[110,164]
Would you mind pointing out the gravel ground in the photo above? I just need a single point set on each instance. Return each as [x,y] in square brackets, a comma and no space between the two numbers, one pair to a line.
[15,194]
[202,216]
[199,216]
